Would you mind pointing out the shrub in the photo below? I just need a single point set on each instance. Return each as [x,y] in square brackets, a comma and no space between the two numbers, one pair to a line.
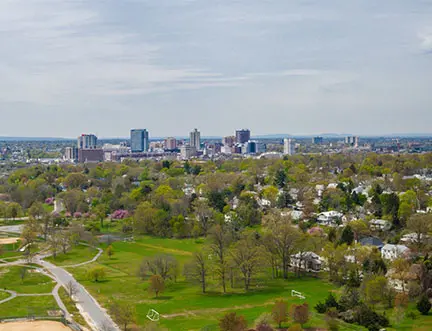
[331,302]
[423,305]
[321,308]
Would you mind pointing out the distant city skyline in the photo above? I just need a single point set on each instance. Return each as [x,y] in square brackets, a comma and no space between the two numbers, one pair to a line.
[300,67]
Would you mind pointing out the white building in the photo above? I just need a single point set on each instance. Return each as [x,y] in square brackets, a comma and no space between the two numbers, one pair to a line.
[392,252]
[412,238]
[330,218]
[289,148]
[187,152]
[382,225]
[308,261]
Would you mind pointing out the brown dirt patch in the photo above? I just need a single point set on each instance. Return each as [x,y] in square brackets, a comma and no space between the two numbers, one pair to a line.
[34,326]
[5,241]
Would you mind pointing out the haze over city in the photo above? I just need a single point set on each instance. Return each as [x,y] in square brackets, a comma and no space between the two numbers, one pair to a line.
[297,67]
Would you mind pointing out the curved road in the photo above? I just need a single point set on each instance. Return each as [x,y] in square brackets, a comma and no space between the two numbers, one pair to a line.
[93,313]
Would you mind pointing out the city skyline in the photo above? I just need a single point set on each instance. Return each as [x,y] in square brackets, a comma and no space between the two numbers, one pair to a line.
[278,66]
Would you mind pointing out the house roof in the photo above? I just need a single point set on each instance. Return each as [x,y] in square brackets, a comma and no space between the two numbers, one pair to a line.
[371,241]
[396,248]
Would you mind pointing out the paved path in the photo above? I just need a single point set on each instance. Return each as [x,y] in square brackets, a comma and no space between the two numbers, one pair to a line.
[95,315]
[12,293]
[11,228]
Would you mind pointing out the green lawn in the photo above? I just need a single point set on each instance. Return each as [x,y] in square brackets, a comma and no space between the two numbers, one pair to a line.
[25,306]
[72,309]
[33,282]
[4,295]
[76,255]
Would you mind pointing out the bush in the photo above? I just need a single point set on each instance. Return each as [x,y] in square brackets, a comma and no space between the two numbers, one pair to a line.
[423,305]
[369,318]
[412,315]
[331,302]
[321,308]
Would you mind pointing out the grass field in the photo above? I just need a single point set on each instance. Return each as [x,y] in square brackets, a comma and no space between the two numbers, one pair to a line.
[76,255]
[4,295]
[70,306]
[26,306]
[33,282]
[182,305]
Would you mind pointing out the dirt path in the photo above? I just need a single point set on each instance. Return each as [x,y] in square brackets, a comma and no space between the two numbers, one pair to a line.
[214,310]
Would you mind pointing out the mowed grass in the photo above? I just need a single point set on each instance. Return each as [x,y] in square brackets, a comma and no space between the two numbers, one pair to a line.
[78,254]
[182,304]
[27,306]
[4,295]
[33,282]
[71,307]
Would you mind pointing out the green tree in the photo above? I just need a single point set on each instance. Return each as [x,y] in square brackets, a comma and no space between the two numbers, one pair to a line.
[424,305]
[347,236]
[110,251]
[420,224]
[280,178]
[96,274]
[123,313]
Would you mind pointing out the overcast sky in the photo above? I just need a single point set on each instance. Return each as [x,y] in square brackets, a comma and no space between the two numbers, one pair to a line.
[274,66]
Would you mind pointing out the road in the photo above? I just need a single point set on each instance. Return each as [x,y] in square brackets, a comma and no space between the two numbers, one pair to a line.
[89,308]
[94,314]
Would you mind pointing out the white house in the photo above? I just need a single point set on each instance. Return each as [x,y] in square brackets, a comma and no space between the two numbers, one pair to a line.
[330,218]
[382,225]
[411,238]
[308,261]
[392,252]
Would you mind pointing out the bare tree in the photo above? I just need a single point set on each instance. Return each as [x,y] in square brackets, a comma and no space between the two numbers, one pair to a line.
[197,269]
[71,288]
[55,242]
[164,265]
[123,313]
[29,234]
[246,254]
[220,241]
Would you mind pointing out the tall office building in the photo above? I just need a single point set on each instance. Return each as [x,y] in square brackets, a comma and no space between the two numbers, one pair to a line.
[251,147]
[195,139]
[317,140]
[71,153]
[242,136]
[352,140]
[289,148]
[229,141]
[139,140]
[87,141]
[187,151]
[170,143]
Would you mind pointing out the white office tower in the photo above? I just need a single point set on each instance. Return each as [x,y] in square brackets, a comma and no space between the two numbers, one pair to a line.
[289,148]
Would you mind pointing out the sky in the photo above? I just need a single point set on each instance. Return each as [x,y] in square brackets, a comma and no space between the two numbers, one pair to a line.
[274,66]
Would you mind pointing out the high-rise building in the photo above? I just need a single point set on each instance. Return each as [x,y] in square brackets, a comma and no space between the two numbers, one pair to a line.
[87,141]
[251,147]
[317,140]
[188,151]
[71,153]
[139,140]
[289,148]
[170,143]
[195,139]
[243,136]
[352,140]
[229,141]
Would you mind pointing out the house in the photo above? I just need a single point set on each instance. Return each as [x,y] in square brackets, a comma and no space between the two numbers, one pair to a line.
[371,241]
[411,238]
[330,218]
[308,261]
[392,252]
[381,225]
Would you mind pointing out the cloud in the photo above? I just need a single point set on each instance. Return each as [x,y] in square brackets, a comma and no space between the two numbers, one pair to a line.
[426,41]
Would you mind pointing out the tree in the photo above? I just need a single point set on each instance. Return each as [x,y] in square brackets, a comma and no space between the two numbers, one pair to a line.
[424,305]
[95,274]
[280,178]
[401,271]
[280,312]
[23,273]
[283,237]
[163,265]
[13,210]
[110,251]
[219,243]
[55,242]
[375,288]
[197,269]
[156,285]
[204,215]
[300,313]
[347,236]
[71,288]
[232,322]
[246,256]
[101,213]
[420,224]
[29,235]
[123,313]
[36,210]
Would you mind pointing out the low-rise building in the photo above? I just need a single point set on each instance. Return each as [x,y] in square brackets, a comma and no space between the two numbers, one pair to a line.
[392,252]
[330,218]
[307,261]
[382,225]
